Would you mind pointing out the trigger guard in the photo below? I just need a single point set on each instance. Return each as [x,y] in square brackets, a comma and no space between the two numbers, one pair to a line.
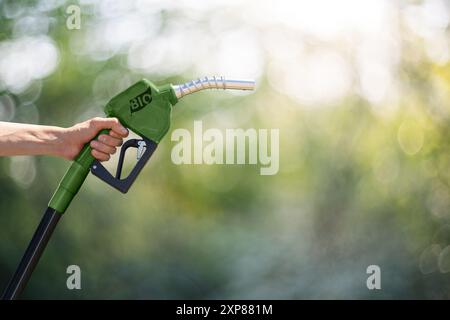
[123,185]
[127,144]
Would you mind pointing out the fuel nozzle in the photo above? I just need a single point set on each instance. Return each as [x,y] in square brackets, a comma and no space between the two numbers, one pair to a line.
[214,82]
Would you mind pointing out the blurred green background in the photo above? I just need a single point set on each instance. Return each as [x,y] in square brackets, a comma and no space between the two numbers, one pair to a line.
[360,91]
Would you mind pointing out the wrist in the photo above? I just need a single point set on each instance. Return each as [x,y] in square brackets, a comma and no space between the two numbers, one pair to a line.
[60,143]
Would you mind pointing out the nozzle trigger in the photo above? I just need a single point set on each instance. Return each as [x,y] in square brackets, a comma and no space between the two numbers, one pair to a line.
[145,149]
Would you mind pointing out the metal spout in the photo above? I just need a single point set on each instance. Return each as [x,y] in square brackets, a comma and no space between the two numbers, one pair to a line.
[204,83]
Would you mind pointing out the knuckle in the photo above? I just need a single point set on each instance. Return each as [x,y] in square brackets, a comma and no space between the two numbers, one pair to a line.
[113,121]
[94,122]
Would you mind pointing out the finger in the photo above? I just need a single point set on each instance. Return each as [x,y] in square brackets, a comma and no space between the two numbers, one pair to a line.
[110,123]
[97,145]
[110,141]
[100,155]
[120,130]
[115,135]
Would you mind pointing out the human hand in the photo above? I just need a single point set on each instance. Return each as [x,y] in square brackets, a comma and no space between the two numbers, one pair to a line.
[75,137]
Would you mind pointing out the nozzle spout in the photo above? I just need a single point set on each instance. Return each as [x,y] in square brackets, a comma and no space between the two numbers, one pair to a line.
[204,83]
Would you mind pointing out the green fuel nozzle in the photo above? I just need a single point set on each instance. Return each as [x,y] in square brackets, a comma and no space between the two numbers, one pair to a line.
[145,109]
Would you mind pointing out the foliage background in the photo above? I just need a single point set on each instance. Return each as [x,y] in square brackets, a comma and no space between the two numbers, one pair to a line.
[360,91]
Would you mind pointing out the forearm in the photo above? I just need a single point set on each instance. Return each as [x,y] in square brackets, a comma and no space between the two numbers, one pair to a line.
[25,139]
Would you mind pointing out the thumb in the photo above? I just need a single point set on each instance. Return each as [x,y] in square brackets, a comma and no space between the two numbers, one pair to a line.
[109,123]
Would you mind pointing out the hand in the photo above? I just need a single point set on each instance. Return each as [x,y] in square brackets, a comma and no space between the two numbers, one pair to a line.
[75,137]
